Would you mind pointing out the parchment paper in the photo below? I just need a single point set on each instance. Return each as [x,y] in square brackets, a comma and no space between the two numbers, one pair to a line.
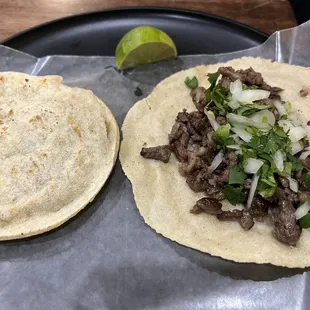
[106,257]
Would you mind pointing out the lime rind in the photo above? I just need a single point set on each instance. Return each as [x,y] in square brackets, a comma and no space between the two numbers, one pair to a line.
[144,45]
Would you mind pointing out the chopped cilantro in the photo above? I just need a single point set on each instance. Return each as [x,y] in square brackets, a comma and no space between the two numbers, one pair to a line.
[267,185]
[236,175]
[249,109]
[269,179]
[296,164]
[218,97]
[221,134]
[222,138]
[247,152]
[288,168]
[265,169]
[269,159]
[212,78]
[304,222]
[266,191]
[234,195]
[245,87]
[191,82]
[269,142]
[306,178]
[279,131]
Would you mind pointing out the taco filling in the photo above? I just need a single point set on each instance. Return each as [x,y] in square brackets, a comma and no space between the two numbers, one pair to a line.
[243,144]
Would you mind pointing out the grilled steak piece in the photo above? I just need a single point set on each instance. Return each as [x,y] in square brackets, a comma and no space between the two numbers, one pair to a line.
[161,153]
[208,205]
[286,229]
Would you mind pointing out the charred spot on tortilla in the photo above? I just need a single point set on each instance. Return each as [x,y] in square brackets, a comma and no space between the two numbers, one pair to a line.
[241,145]
[304,92]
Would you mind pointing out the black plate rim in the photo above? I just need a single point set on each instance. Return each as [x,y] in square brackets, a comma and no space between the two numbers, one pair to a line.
[227,21]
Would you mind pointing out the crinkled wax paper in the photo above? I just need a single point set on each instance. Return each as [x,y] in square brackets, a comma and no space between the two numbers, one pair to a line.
[106,257]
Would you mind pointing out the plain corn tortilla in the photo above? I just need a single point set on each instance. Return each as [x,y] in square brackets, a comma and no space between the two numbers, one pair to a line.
[58,146]
[161,193]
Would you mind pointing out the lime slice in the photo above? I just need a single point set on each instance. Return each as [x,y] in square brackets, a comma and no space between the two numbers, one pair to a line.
[143,45]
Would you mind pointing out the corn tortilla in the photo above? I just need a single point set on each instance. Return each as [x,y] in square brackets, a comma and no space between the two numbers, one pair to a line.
[58,146]
[161,193]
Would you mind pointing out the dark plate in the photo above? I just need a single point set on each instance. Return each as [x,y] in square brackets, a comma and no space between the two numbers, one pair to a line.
[98,33]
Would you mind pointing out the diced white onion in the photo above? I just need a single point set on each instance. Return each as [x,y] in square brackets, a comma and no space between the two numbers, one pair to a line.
[296,147]
[242,120]
[216,161]
[304,155]
[259,117]
[252,191]
[280,107]
[235,87]
[211,117]
[307,128]
[286,125]
[278,160]
[251,95]
[252,165]
[297,133]
[233,104]
[234,147]
[244,135]
[236,138]
[302,210]
[248,95]
[295,119]
[293,184]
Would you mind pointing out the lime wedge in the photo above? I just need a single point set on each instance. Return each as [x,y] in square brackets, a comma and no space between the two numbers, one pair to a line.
[143,45]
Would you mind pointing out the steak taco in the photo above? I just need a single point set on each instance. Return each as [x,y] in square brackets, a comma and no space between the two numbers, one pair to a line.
[218,158]
[58,147]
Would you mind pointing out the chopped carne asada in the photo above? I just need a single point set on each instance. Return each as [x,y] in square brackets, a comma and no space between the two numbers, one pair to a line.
[208,205]
[247,146]
[158,152]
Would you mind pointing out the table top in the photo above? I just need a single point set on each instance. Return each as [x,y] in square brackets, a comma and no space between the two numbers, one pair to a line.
[266,16]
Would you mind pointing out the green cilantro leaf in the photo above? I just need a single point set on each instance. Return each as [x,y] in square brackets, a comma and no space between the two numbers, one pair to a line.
[249,109]
[296,164]
[265,190]
[279,131]
[245,87]
[267,184]
[236,175]
[268,142]
[218,97]
[247,152]
[306,178]
[234,195]
[212,78]
[221,134]
[288,168]
[304,222]
[191,82]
